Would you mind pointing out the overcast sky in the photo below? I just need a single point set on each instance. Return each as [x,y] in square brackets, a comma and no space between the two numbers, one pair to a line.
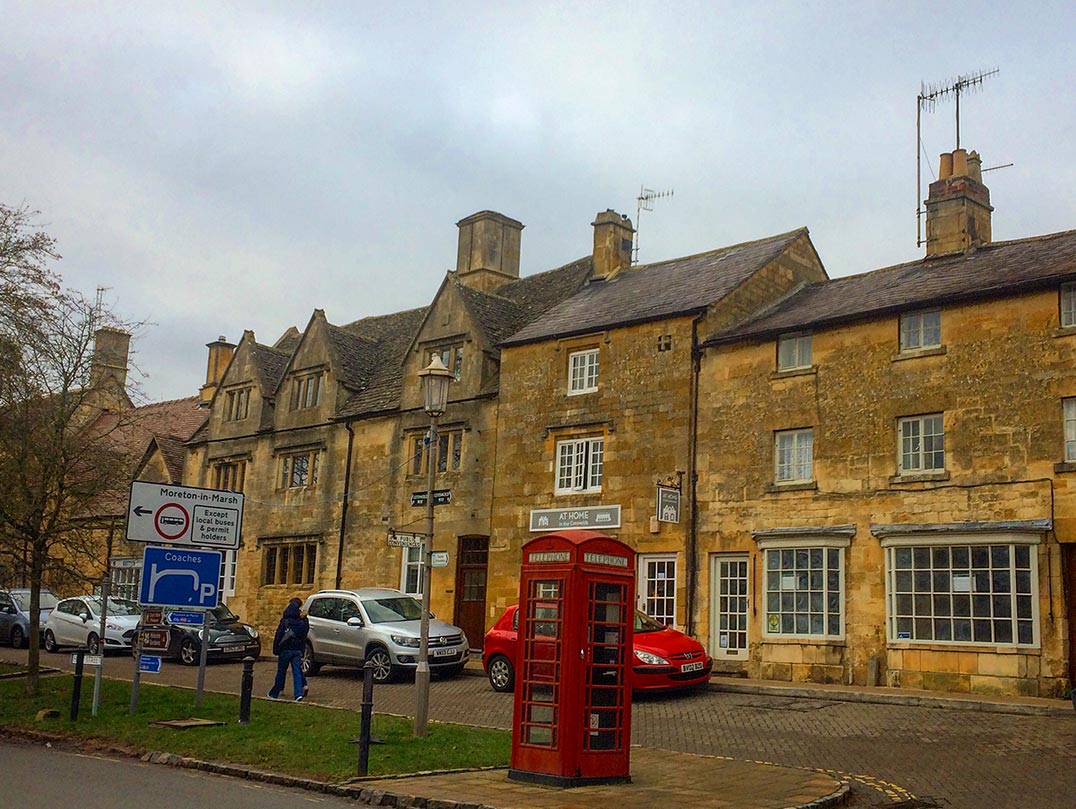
[230,166]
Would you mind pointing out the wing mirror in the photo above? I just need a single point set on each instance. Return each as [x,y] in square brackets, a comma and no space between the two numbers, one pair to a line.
[355,620]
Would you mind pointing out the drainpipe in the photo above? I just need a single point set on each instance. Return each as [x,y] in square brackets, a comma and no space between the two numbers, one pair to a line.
[693,476]
[343,508]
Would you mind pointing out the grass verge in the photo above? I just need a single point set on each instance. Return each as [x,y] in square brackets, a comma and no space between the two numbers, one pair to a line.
[297,739]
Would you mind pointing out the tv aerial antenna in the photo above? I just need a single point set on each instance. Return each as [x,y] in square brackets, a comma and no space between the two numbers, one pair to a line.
[644,202]
[928,98]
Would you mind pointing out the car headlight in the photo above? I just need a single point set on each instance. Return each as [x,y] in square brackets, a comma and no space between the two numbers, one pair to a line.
[251,631]
[113,627]
[401,640]
[201,634]
[651,659]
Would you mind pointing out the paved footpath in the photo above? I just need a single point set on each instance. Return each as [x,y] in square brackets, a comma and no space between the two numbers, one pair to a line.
[970,758]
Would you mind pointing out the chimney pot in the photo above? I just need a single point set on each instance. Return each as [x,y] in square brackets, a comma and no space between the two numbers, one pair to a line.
[945,166]
[960,163]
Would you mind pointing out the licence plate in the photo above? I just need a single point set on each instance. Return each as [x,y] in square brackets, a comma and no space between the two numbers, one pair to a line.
[696,666]
[442,652]
[238,648]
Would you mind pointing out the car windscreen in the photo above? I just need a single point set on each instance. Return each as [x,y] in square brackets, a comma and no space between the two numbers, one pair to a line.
[118,606]
[220,614]
[644,623]
[391,609]
[48,600]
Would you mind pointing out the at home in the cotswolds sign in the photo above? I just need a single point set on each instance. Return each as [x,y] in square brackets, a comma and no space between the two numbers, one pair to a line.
[553,519]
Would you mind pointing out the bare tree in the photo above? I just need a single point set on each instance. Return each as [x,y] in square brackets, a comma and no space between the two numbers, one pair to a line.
[62,458]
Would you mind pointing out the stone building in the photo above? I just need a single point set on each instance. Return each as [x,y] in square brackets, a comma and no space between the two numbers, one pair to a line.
[795,459]
[885,467]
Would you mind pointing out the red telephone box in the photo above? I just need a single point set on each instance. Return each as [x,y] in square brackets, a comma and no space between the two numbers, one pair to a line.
[573,699]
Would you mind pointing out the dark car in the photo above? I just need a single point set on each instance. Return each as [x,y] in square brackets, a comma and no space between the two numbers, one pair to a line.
[15,615]
[665,659]
[229,638]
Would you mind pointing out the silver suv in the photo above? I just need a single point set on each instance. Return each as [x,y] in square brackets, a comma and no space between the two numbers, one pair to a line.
[348,627]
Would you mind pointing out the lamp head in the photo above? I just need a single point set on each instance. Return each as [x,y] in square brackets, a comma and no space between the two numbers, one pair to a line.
[435,381]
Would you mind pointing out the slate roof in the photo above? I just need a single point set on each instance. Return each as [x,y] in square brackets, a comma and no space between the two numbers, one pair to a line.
[513,305]
[1001,268]
[354,356]
[388,338]
[271,364]
[655,291]
[173,452]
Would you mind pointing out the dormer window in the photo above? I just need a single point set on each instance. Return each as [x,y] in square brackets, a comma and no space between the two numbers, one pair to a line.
[237,404]
[452,357]
[920,330]
[583,371]
[793,352]
[306,391]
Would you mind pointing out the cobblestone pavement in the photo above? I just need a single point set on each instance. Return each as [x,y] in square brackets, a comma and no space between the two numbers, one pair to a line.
[970,759]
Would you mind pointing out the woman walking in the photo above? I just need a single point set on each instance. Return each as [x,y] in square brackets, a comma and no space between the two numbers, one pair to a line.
[288,645]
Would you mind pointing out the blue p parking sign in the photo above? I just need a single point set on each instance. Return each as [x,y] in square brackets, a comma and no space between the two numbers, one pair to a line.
[180,577]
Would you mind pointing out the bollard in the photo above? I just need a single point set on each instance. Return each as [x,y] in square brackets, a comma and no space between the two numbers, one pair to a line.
[245,690]
[367,711]
[76,692]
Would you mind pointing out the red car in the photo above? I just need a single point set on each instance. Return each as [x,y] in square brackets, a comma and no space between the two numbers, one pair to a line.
[664,658]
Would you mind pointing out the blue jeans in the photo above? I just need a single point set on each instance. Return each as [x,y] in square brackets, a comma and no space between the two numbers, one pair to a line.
[293,658]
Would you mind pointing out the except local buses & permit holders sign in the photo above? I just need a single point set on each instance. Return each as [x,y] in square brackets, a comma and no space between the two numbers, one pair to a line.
[184,515]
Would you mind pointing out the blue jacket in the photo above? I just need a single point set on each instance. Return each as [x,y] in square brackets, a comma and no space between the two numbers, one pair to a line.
[298,624]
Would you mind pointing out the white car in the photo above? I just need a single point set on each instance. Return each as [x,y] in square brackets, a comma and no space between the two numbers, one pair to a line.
[77,622]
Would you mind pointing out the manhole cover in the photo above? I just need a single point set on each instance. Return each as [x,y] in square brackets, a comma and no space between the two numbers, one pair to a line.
[183,724]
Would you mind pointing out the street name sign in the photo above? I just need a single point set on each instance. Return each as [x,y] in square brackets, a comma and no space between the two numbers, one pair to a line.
[184,515]
[149,664]
[404,540]
[441,497]
[87,660]
[553,519]
[179,577]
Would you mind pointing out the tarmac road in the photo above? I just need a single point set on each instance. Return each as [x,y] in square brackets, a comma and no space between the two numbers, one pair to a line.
[969,758]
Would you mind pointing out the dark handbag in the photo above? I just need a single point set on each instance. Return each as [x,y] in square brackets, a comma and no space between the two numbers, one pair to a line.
[289,634]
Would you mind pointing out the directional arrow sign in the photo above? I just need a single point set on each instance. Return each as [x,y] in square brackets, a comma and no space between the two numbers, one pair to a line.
[180,577]
[184,515]
[441,497]
[149,664]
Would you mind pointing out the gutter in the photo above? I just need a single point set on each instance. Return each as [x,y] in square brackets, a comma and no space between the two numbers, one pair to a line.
[693,475]
[343,507]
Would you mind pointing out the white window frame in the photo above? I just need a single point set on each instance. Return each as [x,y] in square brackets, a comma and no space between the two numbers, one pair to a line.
[897,619]
[411,559]
[920,330]
[1067,305]
[661,564]
[583,372]
[227,574]
[793,352]
[793,456]
[579,465]
[907,439]
[1068,411]
[798,545]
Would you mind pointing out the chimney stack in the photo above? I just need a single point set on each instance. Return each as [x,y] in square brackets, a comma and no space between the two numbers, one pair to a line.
[488,252]
[220,354]
[958,206]
[110,351]
[612,244]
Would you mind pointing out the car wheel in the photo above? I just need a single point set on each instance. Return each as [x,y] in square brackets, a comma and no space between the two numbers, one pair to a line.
[309,665]
[17,638]
[501,675]
[379,656]
[93,644]
[50,641]
[189,652]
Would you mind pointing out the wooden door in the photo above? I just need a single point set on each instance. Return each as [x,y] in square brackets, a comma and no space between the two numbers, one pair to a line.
[470,614]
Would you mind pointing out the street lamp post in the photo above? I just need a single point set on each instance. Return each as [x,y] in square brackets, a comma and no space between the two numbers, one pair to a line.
[435,381]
